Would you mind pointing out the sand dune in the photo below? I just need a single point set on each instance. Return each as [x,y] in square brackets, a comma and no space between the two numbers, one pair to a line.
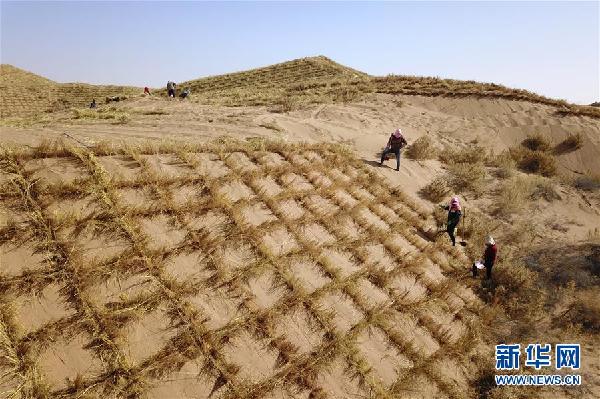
[179,249]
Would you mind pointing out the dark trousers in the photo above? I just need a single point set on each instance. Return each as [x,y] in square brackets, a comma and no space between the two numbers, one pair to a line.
[488,271]
[391,151]
[171,92]
[451,229]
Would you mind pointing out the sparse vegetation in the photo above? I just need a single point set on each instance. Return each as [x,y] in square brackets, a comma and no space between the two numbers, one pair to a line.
[154,234]
[265,231]
[514,193]
[536,142]
[585,311]
[530,161]
[422,148]
[25,94]
[307,81]
[118,115]
[467,177]
[573,142]
[505,165]
[467,155]
[436,190]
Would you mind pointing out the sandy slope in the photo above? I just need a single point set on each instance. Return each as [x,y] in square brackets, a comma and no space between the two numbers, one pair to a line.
[496,124]
[493,123]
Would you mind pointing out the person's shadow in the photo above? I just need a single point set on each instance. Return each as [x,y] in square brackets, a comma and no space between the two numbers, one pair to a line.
[376,164]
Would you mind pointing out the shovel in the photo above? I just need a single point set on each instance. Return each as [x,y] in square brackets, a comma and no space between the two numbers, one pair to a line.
[463,242]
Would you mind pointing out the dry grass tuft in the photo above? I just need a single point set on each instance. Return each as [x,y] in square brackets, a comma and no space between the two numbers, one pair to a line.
[422,148]
[536,142]
[465,177]
[505,165]
[514,193]
[530,161]
[573,142]
[436,190]
[470,155]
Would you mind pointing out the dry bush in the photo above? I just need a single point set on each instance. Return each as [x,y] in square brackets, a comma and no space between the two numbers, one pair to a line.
[430,86]
[505,165]
[536,142]
[474,227]
[530,161]
[514,193]
[422,148]
[440,216]
[472,154]
[518,290]
[436,190]
[467,177]
[571,143]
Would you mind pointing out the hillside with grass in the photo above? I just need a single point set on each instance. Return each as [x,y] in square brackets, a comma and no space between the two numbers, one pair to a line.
[283,87]
[23,93]
[317,80]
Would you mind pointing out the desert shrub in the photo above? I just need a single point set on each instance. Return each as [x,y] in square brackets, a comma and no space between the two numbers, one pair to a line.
[536,142]
[587,183]
[505,165]
[473,228]
[531,161]
[512,195]
[467,177]
[518,290]
[422,148]
[515,192]
[436,190]
[571,143]
[472,154]
[440,216]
